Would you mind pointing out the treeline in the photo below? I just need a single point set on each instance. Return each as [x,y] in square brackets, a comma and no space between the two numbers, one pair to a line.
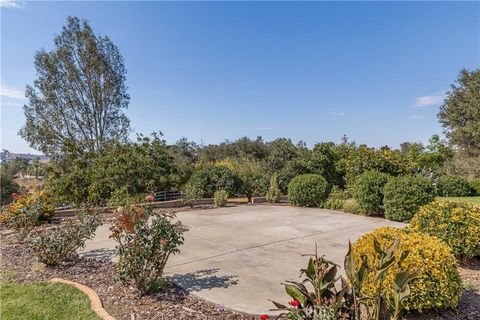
[242,167]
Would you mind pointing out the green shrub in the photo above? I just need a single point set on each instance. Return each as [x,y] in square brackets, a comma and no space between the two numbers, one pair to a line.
[220,198]
[454,186]
[143,247]
[456,223]
[273,192]
[212,179]
[403,196]
[308,190]
[336,199]
[191,193]
[351,206]
[438,283]
[475,184]
[60,243]
[368,190]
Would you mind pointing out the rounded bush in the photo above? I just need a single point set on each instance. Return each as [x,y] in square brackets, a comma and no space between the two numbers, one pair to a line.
[405,194]
[308,190]
[454,186]
[368,190]
[456,223]
[220,198]
[438,283]
[212,179]
[475,184]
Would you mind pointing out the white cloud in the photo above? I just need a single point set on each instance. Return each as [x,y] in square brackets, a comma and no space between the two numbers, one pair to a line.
[434,99]
[11,93]
[12,4]
[416,117]
[338,114]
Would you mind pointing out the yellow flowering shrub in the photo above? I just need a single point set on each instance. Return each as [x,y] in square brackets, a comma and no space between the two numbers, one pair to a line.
[28,200]
[438,284]
[456,223]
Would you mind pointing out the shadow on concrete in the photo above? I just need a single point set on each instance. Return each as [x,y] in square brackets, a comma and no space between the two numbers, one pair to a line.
[98,254]
[203,279]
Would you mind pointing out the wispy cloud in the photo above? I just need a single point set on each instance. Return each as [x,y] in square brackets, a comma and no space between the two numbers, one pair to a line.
[434,99]
[416,117]
[11,93]
[338,114]
[12,4]
[255,128]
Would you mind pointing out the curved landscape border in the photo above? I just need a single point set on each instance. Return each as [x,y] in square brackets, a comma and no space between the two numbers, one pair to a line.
[95,302]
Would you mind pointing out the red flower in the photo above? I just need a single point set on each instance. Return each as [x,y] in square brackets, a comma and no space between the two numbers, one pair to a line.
[264,317]
[15,195]
[294,303]
[150,198]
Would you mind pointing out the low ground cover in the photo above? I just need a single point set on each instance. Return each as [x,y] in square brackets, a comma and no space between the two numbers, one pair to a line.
[44,300]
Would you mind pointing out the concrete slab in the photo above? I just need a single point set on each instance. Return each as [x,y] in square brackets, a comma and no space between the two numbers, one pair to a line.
[239,256]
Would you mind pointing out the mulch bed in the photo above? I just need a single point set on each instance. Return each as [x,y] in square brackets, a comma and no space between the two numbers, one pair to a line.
[18,265]
[122,302]
[469,306]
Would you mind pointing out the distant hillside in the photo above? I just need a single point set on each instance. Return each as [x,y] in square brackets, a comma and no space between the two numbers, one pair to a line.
[6,155]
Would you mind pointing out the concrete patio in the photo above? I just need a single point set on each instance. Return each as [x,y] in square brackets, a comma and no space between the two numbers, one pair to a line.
[239,256]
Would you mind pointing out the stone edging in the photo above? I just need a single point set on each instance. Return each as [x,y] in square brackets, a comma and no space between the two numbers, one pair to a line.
[95,302]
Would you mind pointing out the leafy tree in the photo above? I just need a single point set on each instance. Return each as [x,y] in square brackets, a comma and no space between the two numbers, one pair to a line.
[79,94]
[253,178]
[241,148]
[15,167]
[120,169]
[280,151]
[460,113]
[212,179]
[185,156]
[430,158]
[7,186]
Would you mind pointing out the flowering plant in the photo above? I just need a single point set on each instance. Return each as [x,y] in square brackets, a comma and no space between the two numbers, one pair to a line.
[27,211]
[40,201]
[144,245]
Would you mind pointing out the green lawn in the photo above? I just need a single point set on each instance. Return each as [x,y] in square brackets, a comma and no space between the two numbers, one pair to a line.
[474,200]
[44,301]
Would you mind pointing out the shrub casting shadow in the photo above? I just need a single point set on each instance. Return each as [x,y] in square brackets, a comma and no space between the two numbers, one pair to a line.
[98,254]
[203,279]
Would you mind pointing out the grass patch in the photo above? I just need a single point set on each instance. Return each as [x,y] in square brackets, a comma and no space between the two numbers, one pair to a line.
[474,200]
[44,301]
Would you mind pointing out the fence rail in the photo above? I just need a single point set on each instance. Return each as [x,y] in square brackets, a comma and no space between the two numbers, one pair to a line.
[167,195]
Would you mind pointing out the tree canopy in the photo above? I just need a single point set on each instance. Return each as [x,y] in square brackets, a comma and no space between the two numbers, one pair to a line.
[460,113]
[79,94]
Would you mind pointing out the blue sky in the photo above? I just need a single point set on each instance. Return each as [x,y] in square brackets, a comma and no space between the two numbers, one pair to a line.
[210,71]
